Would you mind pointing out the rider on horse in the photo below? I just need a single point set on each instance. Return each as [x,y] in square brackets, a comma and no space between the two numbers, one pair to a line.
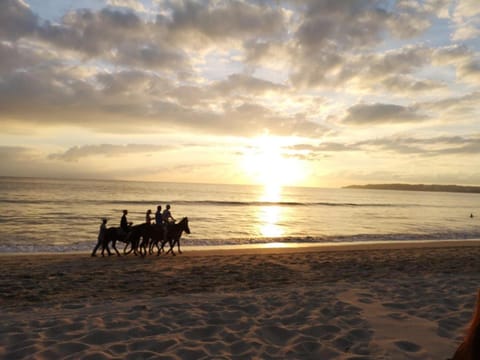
[167,219]
[125,226]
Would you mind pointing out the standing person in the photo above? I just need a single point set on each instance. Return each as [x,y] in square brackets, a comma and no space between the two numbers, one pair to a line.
[158,215]
[101,235]
[148,217]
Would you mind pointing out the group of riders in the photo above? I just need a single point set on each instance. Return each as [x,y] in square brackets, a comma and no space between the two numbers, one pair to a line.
[162,219]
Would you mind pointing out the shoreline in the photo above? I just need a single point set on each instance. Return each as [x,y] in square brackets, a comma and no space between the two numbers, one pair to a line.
[279,247]
[327,247]
[396,301]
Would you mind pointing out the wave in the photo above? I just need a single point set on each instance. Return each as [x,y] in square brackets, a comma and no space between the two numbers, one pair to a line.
[201,203]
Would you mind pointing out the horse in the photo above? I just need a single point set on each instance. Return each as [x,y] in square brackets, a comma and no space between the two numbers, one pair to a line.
[150,235]
[174,233]
[131,240]
[154,237]
[469,349]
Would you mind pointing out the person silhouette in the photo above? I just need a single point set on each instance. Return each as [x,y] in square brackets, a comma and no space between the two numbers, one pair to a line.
[167,219]
[101,236]
[125,226]
[167,215]
[148,217]
[158,216]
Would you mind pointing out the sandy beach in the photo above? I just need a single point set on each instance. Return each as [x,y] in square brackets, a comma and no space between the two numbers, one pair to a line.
[407,301]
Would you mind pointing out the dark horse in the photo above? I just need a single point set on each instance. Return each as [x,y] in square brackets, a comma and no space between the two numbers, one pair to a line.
[469,349]
[113,234]
[174,233]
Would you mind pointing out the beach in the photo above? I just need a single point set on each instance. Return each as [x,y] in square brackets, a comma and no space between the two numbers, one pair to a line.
[370,301]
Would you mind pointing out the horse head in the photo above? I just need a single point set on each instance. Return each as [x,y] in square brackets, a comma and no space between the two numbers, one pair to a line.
[185,226]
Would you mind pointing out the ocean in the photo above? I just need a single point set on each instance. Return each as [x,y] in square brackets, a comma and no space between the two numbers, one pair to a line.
[57,215]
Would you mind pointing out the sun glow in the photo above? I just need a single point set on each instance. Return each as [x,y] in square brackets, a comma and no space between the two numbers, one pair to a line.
[266,162]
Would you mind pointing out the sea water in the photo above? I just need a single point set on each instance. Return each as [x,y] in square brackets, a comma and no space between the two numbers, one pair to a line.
[53,215]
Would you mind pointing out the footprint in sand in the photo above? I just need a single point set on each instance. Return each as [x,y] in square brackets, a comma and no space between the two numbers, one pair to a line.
[398,316]
[407,346]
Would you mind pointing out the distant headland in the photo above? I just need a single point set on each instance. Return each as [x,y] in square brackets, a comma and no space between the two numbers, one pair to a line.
[418,187]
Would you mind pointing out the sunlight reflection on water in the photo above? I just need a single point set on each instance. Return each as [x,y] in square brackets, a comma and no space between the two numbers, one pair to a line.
[275,245]
[270,215]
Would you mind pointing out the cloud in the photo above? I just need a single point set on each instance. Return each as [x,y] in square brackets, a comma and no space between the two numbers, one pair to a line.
[16,19]
[372,114]
[13,153]
[193,21]
[402,145]
[436,146]
[466,17]
[470,71]
[366,72]
[343,24]
[409,19]
[331,32]
[77,152]
[30,161]
[131,4]
[406,85]
[454,109]
[109,101]
[13,57]
[465,32]
[245,84]
[440,8]
[326,146]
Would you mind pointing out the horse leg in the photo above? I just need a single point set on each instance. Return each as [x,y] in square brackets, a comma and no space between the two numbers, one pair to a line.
[178,246]
[153,243]
[171,242]
[138,250]
[134,244]
[114,246]
[160,248]
[138,246]
[144,246]
[161,241]
[150,246]
[177,242]
[148,241]
[126,251]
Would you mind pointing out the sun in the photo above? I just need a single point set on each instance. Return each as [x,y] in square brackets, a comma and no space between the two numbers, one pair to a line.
[265,162]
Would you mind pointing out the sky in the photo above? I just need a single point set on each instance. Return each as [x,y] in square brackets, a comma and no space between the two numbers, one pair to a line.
[322,93]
